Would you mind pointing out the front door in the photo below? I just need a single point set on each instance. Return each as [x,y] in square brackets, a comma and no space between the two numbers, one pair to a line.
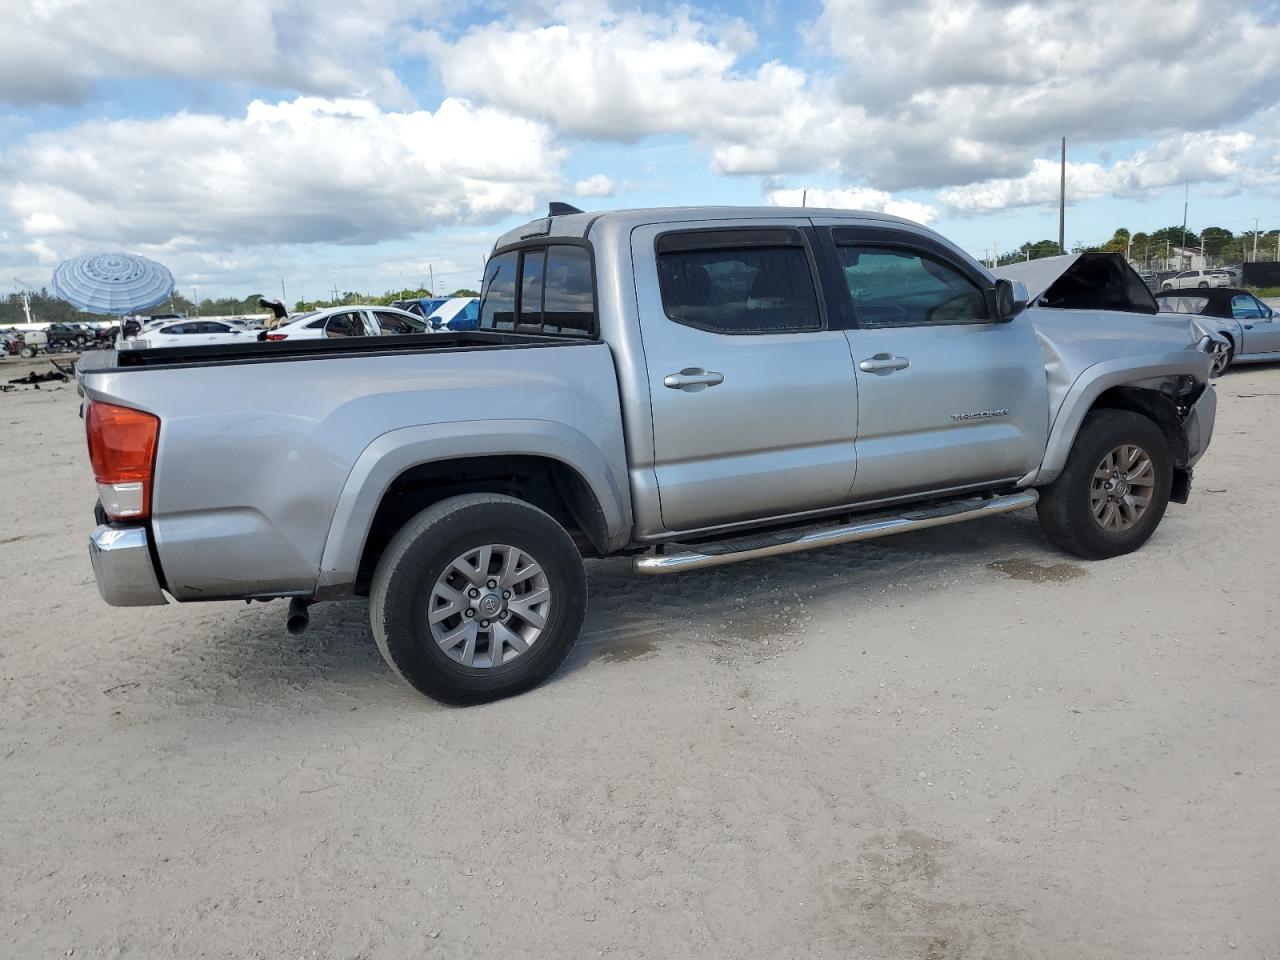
[948,396]
[1259,323]
[753,397]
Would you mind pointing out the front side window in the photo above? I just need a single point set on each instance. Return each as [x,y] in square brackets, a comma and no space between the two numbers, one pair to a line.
[743,290]
[393,324]
[899,287]
[1244,307]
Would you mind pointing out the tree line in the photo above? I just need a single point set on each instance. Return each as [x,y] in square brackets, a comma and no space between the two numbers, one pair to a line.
[1221,245]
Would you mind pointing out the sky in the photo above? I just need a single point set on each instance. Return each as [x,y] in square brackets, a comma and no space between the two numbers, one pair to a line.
[367,145]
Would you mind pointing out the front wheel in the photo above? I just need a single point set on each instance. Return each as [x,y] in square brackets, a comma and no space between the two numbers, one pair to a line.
[1112,493]
[478,597]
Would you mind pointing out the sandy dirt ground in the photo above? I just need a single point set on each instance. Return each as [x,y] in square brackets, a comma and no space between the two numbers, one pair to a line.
[953,744]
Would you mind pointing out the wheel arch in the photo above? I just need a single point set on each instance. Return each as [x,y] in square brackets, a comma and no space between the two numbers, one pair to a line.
[1159,388]
[404,471]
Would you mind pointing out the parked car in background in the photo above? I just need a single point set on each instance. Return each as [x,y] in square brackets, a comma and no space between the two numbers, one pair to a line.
[357,321]
[1149,278]
[1250,326]
[10,343]
[456,313]
[1195,278]
[67,337]
[188,333]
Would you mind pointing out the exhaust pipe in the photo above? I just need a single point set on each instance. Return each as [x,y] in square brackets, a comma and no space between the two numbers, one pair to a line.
[298,617]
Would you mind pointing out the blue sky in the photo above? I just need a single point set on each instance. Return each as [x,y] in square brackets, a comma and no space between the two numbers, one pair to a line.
[361,144]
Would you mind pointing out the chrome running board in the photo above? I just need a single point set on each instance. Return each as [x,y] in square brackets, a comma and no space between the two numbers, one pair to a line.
[793,541]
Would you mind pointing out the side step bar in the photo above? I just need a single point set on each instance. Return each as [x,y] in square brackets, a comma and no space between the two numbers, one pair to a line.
[955,511]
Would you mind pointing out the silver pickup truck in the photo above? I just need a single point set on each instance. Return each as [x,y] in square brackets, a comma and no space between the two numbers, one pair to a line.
[691,387]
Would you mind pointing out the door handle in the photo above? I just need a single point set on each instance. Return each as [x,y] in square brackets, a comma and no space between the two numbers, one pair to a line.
[883,363]
[693,379]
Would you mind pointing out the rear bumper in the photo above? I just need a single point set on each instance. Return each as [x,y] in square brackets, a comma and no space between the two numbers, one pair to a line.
[1199,425]
[121,558]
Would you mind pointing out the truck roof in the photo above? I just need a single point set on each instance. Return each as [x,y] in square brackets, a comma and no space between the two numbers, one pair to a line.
[578,224]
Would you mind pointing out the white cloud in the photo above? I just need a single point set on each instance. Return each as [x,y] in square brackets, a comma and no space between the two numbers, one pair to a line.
[853,198]
[305,170]
[981,89]
[1230,158]
[595,186]
[54,51]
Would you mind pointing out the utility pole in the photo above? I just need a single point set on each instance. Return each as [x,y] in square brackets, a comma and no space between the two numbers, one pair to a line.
[195,299]
[1185,199]
[995,254]
[26,299]
[804,198]
[432,270]
[1255,239]
[1062,201]
[283,298]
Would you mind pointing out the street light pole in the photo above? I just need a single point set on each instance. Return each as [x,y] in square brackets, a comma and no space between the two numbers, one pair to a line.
[1062,201]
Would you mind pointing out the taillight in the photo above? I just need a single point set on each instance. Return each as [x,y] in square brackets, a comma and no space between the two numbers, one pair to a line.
[122,449]
[277,336]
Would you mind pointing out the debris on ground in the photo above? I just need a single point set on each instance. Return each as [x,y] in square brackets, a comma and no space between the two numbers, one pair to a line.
[33,379]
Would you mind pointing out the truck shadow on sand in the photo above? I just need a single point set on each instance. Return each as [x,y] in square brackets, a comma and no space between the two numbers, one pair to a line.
[726,611]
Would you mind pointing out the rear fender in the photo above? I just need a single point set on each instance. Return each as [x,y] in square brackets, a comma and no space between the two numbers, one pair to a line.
[391,454]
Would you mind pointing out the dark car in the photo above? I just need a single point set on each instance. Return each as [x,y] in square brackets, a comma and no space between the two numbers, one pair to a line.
[1251,326]
[67,337]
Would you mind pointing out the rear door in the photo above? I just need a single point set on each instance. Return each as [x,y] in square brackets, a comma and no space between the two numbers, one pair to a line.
[754,401]
[948,397]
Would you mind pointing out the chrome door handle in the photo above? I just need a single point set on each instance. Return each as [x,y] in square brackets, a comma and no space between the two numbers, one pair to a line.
[693,379]
[883,363]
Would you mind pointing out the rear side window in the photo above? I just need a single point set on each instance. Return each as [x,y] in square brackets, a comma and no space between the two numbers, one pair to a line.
[723,288]
[899,287]
[1183,304]
[556,293]
[344,325]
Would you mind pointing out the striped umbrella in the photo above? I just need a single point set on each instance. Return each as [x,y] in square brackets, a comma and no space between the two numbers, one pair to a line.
[112,283]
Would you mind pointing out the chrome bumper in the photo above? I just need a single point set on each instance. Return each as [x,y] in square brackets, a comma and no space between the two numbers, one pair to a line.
[1199,425]
[122,566]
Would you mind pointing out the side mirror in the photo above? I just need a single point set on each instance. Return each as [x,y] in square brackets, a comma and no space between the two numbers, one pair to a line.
[1011,298]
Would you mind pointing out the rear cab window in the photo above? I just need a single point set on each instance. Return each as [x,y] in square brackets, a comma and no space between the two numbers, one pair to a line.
[545,288]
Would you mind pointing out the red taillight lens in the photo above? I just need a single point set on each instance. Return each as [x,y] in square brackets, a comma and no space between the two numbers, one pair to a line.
[122,449]
[277,336]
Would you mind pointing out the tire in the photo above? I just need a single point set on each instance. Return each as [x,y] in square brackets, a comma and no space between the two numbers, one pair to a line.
[1203,285]
[421,560]
[1228,355]
[1066,506]
[28,352]
[1167,286]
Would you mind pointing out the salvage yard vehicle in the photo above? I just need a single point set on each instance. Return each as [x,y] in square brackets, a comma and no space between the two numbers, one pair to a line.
[1199,279]
[191,332]
[1250,328]
[691,387]
[338,322]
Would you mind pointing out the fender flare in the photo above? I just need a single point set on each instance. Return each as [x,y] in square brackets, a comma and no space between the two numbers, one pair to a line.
[1141,372]
[394,452]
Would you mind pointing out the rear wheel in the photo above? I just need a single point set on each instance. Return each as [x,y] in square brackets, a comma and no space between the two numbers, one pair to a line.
[478,597]
[28,352]
[1203,284]
[1222,357]
[1113,492]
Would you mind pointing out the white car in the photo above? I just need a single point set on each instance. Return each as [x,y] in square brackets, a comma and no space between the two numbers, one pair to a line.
[361,321]
[189,333]
[1196,278]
